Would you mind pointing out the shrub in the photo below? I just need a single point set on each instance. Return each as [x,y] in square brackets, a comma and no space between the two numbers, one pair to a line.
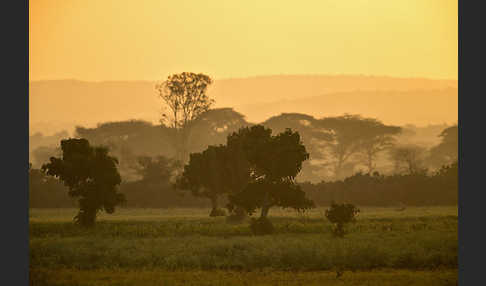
[340,215]
[261,226]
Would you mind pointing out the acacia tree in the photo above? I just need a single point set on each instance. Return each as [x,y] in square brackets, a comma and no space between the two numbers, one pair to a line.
[353,135]
[185,96]
[274,162]
[90,174]
[345,140]
[376,138]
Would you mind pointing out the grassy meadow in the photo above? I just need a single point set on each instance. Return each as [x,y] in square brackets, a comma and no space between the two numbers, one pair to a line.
[386,246]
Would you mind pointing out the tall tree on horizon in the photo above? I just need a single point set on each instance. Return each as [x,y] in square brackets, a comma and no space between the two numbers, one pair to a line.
[186,98]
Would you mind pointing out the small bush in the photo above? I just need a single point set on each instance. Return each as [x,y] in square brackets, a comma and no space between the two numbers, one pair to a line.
[217,212]
[340,215]
[261,226]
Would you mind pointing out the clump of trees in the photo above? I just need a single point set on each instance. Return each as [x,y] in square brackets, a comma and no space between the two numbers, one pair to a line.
[340,215]
[231,162]
[339,146]
[90,174]
[255,169]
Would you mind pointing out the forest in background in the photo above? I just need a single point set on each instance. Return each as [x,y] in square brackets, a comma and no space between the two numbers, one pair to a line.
[408,168]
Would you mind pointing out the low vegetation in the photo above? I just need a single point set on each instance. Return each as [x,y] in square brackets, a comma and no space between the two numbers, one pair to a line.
[150,277]
[340,215]
[157,241]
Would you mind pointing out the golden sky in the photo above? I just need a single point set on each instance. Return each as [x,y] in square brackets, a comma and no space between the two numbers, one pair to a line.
[149,39]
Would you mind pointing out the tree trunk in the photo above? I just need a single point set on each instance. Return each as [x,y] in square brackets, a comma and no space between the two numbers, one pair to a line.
[215,208]
[86,217]
[265,206]
[338,170]
[370,163]
[184,134]
[214,202]
[265,210]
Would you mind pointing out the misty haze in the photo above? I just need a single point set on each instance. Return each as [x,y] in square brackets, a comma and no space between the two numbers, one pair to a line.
[238,142]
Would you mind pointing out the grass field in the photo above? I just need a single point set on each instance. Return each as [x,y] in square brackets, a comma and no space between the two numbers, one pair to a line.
[417,246]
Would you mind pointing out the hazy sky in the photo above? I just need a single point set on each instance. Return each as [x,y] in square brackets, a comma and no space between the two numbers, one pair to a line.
[133,40]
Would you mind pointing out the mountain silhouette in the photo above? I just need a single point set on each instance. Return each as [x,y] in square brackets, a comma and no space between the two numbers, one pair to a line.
[61,104]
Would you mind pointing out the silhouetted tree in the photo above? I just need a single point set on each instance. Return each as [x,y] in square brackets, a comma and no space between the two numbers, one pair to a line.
[90,174]
[376,137]
[340,215]
[353,134]
[204,175]
[128,140]
[274,162]
[409,158]
[213,127]
[446,151]
[345,139]
[314,137]
[185,95]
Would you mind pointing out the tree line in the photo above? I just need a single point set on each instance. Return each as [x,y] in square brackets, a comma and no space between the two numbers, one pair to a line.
[199,152]
[338,146]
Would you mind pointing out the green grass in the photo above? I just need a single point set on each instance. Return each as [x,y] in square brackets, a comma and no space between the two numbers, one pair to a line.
[132,214]
[121,277]
[418,244]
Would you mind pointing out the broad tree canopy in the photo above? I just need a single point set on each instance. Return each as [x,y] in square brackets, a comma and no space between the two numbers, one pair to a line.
[274,162]
[90,174]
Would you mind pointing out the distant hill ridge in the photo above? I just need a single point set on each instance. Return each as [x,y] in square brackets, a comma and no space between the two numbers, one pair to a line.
[59,104]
